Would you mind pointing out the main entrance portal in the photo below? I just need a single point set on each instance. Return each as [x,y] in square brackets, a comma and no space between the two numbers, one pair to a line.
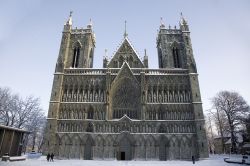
[125,151]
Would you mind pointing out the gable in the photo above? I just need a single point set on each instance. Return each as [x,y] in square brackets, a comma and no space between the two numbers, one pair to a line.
[125,118]
[125,72]
[125,53]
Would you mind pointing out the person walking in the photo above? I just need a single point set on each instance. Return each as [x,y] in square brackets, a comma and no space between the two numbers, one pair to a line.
[193,159]
[51,157]
[48,157]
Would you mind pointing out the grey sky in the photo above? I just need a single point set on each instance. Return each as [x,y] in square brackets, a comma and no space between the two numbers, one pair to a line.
[30,35]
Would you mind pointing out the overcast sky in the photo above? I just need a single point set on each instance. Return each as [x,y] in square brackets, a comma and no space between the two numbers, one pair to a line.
[30,34]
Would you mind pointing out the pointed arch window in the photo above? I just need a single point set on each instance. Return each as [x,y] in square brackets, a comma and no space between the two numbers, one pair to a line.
[91,57]
[76,54]
[160,58]
[176,57]
[121,59]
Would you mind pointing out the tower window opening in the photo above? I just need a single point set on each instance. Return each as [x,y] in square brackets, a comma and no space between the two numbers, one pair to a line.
[76,55]
[176,58]
[160,58]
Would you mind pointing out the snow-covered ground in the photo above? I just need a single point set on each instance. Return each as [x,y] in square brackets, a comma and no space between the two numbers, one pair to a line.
[214,160]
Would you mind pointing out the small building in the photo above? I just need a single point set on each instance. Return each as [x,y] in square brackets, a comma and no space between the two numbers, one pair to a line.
[246,148]
[12,140]
[218,147]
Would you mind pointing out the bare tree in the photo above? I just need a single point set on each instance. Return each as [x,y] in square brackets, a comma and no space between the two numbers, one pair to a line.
[36,126]
[210,132]
[8,110]
[235,109]
[40,138]
[221,124]
[5,98]
[22,113]
[27,111]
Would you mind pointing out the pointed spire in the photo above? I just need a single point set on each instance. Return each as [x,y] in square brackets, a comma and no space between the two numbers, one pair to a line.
[90,24]
[145,59]
[183,21]
[69,22]
[105,59]
[145,53]
[125,32]
[106,55]
[183,24]
[162,23]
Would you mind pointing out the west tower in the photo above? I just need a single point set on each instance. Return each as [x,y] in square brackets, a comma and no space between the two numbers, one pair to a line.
[76,51]
[175,52]
[174,47]
[77,47]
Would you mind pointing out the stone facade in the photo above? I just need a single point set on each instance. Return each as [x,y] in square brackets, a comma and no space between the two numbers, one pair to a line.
[126,111]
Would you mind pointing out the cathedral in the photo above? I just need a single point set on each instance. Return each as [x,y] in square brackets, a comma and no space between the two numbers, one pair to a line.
[125,110]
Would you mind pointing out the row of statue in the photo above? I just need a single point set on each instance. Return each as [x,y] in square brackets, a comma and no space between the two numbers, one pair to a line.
[82,114]
[168,115]
[152,96]
[83,95]
[168,96]
[117,114]
[116,128]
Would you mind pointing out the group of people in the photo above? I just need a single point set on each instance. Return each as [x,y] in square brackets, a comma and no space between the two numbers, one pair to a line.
[50,157]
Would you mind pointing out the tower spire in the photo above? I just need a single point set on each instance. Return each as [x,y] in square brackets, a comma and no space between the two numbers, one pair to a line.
[69,21]
[90,24]
[183,24]
[125,32]
[106,53]
[183,21]
[162,23]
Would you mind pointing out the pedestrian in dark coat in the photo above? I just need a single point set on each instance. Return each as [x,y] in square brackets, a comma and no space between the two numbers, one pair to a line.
[193,159]
[51,157]
[48,157]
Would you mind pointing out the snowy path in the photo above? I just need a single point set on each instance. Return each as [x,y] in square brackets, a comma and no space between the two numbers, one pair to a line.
[212,161]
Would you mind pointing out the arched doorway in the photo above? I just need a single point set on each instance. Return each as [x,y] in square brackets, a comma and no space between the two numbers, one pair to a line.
[125,149]
[88,148]
[163,145]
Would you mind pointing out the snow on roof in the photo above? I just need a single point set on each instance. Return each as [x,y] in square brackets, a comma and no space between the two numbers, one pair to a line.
[238,136]
[120,45]
[218,137]
[246,145]
[13,128]
[228,141]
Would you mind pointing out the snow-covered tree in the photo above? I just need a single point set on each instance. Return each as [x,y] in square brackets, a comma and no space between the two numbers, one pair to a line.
[22,113]
[232,107]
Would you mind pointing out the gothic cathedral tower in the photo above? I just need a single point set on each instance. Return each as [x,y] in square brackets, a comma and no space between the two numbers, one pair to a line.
[76,51]
[175,52]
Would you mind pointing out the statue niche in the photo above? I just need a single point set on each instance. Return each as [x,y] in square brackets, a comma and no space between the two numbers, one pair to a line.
[125,98]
